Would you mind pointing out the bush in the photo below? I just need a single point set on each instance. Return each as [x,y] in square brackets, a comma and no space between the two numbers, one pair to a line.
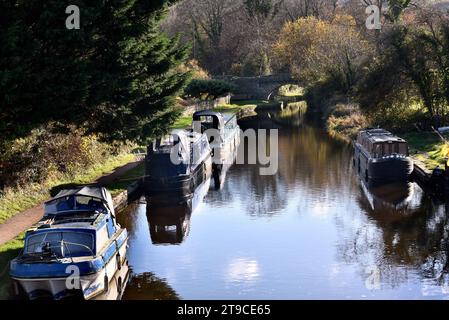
[208,89]
[46,154]
[345,121]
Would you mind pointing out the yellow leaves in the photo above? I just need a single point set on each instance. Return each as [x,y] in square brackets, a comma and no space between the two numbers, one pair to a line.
[193,67]
[345,20]
[313,48]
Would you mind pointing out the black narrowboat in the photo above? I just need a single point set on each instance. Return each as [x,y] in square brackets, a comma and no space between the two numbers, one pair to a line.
[176,165]
[381,157]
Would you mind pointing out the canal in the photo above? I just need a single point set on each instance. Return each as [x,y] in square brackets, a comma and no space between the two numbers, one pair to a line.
[312,231]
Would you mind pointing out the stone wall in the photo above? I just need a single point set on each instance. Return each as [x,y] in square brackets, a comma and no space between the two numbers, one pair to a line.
[198,105]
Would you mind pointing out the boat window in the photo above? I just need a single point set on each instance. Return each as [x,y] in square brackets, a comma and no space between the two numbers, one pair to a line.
[88,203]
[378,150]
[232,123]
[61,244]
[62,204]
[74,203]
[207,122]
[403,148]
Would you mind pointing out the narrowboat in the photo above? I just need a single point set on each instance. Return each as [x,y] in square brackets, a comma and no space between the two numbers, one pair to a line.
[176,164]
[77,250]
[381,157]
[170,222]
[223,133]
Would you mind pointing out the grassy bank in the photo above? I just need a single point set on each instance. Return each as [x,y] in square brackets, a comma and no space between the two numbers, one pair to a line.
[346,120]
[125,180]
[8,251]
[15,200]
[428,148]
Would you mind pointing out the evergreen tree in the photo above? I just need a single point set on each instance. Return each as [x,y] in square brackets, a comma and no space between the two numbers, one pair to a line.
[115,75]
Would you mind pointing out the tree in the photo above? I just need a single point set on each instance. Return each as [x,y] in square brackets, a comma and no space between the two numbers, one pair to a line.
[116,75]
[317,50]
[413,69]
[208,19]
[320,9]
[260,15]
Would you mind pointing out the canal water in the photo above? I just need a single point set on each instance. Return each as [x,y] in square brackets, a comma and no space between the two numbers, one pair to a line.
[312,231]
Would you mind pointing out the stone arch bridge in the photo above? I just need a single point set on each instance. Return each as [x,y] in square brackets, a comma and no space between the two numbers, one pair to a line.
[258,88]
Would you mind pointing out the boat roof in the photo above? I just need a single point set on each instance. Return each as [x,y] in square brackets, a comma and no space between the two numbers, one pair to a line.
[381,135]
[204,113]
[222,117]
[87,191]
[92,191]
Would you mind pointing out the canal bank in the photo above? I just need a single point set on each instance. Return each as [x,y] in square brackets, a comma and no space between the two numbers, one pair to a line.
[20,222]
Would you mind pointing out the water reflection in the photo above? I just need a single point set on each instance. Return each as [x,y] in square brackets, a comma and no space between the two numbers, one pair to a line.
[293,115]
[169,221]
[310,231]
[147,286]
[391,198]
[220,170]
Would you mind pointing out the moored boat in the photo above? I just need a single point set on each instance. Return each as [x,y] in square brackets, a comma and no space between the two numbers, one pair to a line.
[223,133]
[381,157]
[175,165]
[77,250]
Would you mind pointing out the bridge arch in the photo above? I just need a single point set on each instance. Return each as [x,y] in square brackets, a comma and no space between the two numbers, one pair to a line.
[258,88]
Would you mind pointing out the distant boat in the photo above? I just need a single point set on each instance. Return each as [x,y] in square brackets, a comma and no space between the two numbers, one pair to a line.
[78,235]
[175,165]
[381,157]
[224,139]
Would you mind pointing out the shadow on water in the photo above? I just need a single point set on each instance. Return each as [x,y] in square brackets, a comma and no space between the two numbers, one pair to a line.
[146,286]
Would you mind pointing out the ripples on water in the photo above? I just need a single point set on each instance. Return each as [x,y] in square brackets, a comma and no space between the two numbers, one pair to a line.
[311,231]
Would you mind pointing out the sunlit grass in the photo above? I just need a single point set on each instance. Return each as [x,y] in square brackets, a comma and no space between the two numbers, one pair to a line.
[15,200]
[291,90]
[234,108]
[8,251]
[186,121]
[427,147]
[246,103]
[124,181]
[182,123]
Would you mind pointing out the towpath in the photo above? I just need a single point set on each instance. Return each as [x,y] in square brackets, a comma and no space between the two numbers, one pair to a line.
[20,222]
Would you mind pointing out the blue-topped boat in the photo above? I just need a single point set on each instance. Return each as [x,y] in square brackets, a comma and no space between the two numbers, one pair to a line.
[76,250]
